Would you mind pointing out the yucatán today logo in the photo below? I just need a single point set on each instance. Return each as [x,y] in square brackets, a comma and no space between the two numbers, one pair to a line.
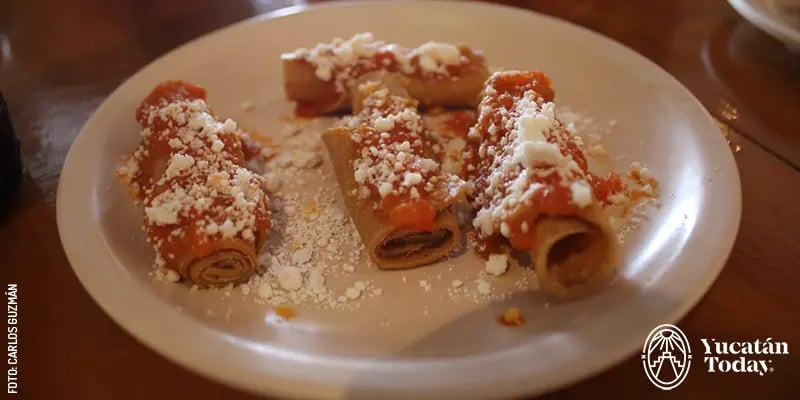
[667,356]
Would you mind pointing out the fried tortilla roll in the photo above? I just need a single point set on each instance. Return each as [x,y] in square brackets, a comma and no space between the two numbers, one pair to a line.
[439,74]
[206,215]
[400,202]
[532,189]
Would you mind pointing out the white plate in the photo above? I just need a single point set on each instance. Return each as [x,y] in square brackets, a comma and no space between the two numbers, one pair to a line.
[778,18]
[457,351]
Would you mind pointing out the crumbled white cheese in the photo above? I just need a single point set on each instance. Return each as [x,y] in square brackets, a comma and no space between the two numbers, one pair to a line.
[171,276]
[164,214]
[497,264]
[212,228]
[229,125]
[265,290]
[484,287]
[302,256]
[581,194]
[290,278]
[228,229]
[272,181]
[179,162]
[434,56]
[352,293]
[505,230]
[176,144]
[425,285]
[531,154]
[384,124]
[412,178]
[385,189]
[533,124]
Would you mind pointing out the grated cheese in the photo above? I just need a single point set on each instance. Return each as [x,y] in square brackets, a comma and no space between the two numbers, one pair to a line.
[497,264]
[341,60]
[519,147]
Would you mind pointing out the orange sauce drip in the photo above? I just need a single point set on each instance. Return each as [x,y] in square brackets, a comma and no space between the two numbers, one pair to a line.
[512,317]
[285,312]
[413,214]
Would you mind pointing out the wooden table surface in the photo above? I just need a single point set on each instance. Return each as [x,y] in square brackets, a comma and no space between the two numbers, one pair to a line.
[59,60]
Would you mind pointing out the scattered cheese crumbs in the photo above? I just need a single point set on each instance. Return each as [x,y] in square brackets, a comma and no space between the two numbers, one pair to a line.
[497,264]
[394,164]
[341,60]
[302,256]
[265,291]
[505,230]
[353,293]
[484,287]
[171,276]
[412,178]
[457,283]
[164,215]
[433,56]
[313,238]
[385,189]
[217,146]
[228,229]
[290,278]
[178,163]
[176,144]
[273,182]
[384,124]
[581,194]
[425,285]
[165,275]
[531,154]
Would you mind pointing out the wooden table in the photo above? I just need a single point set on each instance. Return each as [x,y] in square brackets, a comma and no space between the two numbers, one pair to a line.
[59,60]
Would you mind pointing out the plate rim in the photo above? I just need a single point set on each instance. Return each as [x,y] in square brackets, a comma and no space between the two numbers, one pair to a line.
[764,21]
[277,384]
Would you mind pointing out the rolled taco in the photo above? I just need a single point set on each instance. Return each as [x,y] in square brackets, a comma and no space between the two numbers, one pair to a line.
[399,201]
[439,74]
[531,187]
[206,215]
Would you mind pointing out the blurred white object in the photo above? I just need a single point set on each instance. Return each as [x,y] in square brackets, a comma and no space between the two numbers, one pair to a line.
[778,18]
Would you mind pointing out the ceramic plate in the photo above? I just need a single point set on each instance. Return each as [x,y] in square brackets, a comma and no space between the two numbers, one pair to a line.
[409,342]
[778,18]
